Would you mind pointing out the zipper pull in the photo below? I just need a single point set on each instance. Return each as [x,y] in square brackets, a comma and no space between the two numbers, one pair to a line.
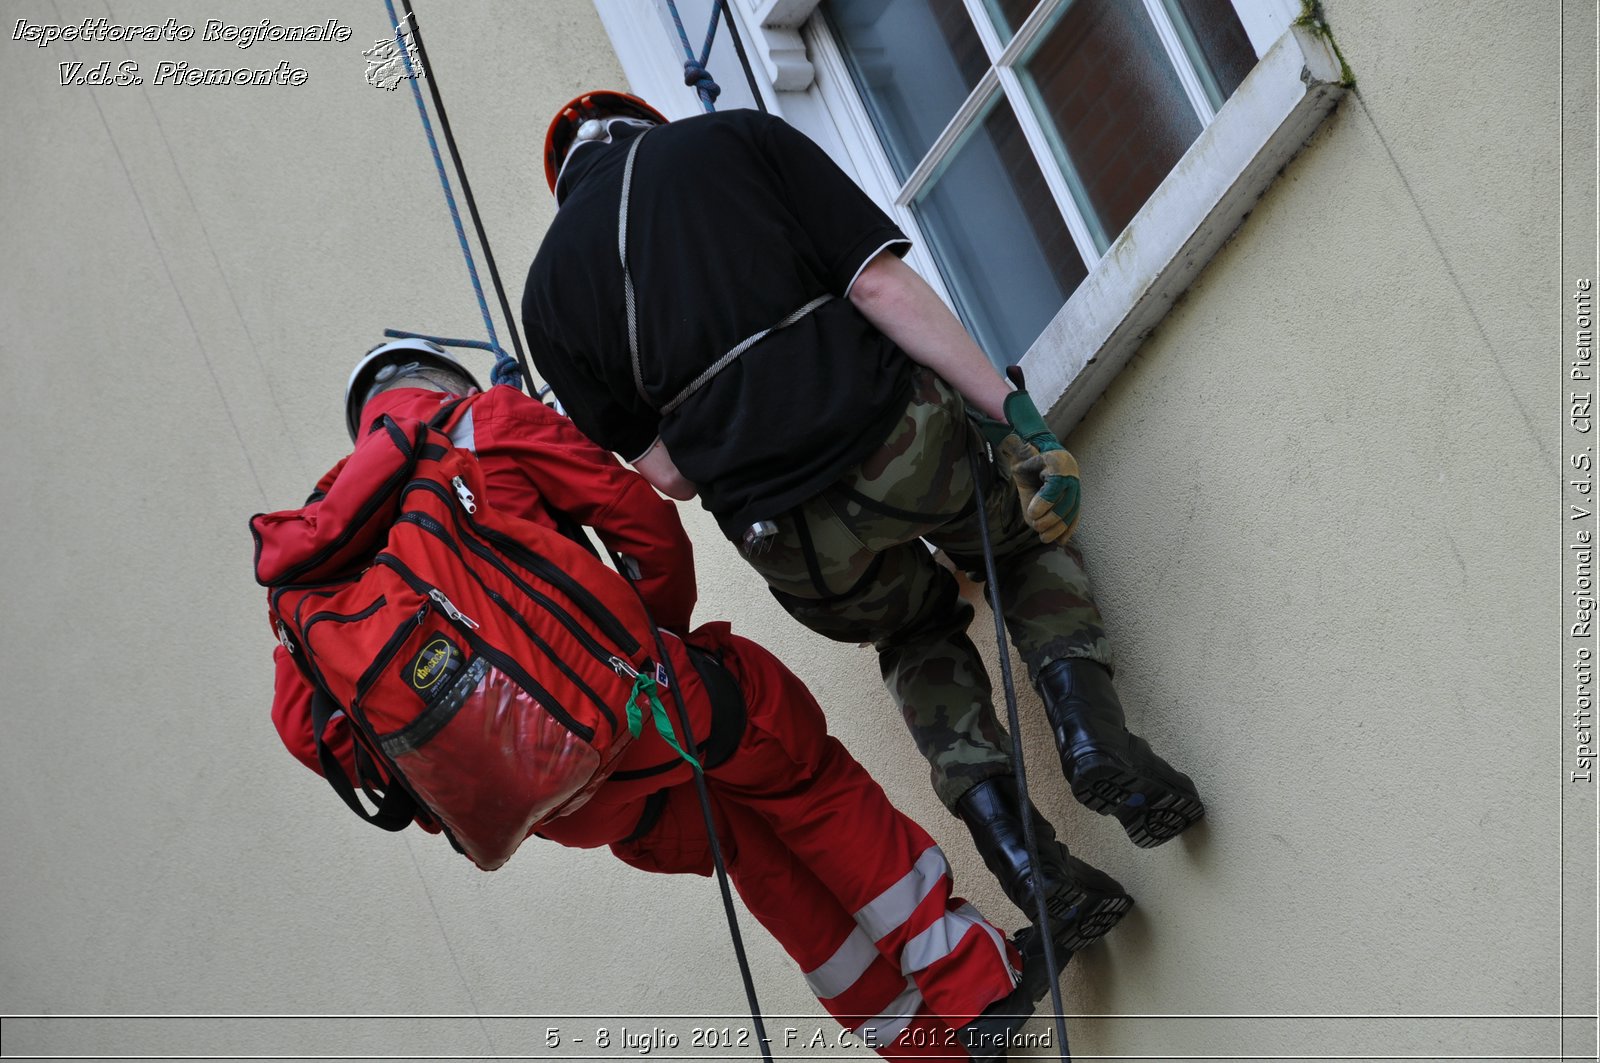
[283,638]
[450,610]
[469,501]
[623,668]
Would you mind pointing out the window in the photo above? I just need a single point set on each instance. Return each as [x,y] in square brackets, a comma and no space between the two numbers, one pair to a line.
[1065,168]
[1024,135]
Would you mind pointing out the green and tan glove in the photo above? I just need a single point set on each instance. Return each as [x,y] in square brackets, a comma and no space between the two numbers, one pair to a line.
[1045,474]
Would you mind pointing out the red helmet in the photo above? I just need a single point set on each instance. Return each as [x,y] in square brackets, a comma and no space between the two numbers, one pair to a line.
[564,126]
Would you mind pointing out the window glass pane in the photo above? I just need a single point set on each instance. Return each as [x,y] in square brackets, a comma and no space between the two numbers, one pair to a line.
[914,63]
[1106,90]
[1000,242]
[1219,37]
[1009,15]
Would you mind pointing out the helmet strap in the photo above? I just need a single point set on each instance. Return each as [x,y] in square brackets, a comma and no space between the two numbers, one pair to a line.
[415,375]
[600,130]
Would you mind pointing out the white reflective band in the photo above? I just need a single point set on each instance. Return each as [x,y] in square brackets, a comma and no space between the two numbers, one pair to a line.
[882,1029]
[844,968]
[889,910]
[868,261]
[642,453]
[462,435]
[941,939]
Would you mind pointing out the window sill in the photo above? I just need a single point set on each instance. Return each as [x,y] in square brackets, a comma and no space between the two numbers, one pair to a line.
[1187,219]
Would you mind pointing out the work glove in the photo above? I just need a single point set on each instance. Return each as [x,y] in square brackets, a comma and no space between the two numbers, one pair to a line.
[1045,474]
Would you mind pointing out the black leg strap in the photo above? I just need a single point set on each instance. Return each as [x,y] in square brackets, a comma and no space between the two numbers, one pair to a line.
[906,515]
[728,712]
[813,566]
[647,818]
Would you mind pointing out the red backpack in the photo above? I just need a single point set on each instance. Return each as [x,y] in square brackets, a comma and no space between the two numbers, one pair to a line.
[490,668]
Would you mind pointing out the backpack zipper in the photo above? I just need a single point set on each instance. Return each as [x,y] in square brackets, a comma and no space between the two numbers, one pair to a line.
[361,517]
[427,523]
[450,609]
[546,570]
[386,654]
[349,618]
[467,627]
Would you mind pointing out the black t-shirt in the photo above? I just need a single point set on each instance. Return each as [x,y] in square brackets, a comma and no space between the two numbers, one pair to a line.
[736,221]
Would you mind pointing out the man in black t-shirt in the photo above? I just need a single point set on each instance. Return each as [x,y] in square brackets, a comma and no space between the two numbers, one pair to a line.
[718,303]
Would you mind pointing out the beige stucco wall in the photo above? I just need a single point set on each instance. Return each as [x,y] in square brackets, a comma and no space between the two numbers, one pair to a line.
[1321,517]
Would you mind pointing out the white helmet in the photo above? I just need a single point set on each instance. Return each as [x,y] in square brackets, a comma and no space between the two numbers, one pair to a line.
[388,361]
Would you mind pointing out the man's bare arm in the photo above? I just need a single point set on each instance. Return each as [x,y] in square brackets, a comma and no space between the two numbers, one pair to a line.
[657,466]
[893,297]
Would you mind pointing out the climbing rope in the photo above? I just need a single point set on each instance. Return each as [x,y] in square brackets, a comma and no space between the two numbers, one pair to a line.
[630,571]
[443,341]
[1041,916]
[695,74]
[506,368]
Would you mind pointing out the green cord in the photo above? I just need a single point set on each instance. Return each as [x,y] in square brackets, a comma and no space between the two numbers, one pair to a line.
[645,684]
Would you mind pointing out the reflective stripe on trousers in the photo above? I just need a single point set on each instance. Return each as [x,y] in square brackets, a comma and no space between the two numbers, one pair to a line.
[881,918]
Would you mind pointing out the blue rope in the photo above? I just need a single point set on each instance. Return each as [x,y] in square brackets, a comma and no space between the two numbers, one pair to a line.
[505,369]
[695,74]
[443,341]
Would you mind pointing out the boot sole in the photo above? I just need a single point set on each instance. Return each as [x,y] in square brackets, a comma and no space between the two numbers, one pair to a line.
[1086,906]
[1152,809]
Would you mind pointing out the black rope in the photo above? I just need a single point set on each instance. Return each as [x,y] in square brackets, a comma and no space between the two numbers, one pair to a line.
[466,192]
[1029,838]
[738,47]
[625,566]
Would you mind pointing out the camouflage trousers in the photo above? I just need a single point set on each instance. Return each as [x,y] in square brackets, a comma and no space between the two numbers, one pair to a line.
[851,564]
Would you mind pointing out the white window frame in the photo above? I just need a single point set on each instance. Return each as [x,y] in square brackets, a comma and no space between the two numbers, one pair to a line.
[1133,281]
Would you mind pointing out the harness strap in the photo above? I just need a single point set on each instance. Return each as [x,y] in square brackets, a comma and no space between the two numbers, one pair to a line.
[875,505]
[728,717]
[627,274]
[631,301]
[722,363]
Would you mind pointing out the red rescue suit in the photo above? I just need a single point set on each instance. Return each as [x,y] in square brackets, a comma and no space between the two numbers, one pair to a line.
[858,894]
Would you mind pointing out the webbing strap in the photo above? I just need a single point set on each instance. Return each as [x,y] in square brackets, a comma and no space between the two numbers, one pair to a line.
[627,274]
[633,314]
[722,363]
[645,688]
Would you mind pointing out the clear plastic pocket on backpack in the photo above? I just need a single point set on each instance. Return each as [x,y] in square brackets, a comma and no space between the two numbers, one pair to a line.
[491,762]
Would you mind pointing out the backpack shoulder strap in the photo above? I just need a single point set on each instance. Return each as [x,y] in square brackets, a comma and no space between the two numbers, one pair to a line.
[441,420]
[396,807]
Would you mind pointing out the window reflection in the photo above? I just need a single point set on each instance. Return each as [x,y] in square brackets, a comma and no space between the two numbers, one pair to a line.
[1106,90]
[914,63]
[1001,245]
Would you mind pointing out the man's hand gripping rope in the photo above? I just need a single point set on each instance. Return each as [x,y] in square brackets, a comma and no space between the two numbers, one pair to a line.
[1044,472]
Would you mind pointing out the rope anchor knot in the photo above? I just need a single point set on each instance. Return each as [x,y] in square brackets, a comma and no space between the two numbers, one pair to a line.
[698,78]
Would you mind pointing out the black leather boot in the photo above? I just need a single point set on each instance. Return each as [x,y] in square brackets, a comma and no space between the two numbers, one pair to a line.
[1111,770]
[988,1037]
[1083,902]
